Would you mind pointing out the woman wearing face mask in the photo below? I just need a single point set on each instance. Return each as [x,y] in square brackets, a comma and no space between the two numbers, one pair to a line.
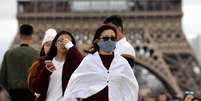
[54,71]
[103,75]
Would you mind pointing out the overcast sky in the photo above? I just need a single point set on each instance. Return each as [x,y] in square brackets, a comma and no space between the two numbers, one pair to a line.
[8,24]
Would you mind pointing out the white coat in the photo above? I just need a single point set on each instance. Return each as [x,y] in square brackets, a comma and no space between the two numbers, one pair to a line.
[91,77]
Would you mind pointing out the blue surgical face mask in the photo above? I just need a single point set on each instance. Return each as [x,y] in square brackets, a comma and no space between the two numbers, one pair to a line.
[107,46]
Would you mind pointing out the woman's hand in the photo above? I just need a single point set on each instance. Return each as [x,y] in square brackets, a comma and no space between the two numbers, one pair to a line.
[65,41]
[49,65]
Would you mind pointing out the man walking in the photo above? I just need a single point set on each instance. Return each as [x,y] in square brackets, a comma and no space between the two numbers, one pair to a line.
[15,65]
[123,47]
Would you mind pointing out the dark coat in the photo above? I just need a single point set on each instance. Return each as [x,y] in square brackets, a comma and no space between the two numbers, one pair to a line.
[15,64]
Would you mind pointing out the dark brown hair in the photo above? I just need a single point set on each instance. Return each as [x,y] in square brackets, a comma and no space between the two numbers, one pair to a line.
[26,30]
[97,35]
[53,49]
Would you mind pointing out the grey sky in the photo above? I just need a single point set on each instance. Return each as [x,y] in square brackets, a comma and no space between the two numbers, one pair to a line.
[191,20]
[7,9]
[192,2]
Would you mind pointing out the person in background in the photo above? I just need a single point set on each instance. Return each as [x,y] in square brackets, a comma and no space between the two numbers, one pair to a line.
[47,41]
[46,44]
[53,72]
[163,97]
[15,66]
[188,96]
[196,99]
[123,47]
[4,96]
[103,75]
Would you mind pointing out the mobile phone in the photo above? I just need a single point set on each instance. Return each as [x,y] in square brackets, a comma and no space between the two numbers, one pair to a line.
[48,61]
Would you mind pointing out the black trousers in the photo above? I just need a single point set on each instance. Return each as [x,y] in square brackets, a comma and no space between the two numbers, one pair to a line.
[21,95]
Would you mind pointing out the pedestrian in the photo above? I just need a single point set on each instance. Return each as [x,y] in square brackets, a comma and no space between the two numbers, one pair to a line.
[103,75]
[163,97]
[196,99]
[47,41]
[53,72]
[15,66]
[188,96]
[123,47]
[46,44]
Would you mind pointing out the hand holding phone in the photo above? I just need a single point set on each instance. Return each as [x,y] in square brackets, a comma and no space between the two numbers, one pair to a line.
[49,65]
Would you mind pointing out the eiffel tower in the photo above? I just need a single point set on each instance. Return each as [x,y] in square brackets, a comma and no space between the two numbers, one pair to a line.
[153,27]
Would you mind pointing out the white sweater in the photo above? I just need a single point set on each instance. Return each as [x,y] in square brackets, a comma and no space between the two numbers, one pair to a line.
[54,92]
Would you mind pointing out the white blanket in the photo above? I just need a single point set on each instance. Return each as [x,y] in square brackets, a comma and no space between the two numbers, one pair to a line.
[91,77]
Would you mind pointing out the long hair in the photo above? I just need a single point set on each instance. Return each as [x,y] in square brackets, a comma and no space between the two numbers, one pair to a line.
[42,51]
[53,49]
[97,35]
